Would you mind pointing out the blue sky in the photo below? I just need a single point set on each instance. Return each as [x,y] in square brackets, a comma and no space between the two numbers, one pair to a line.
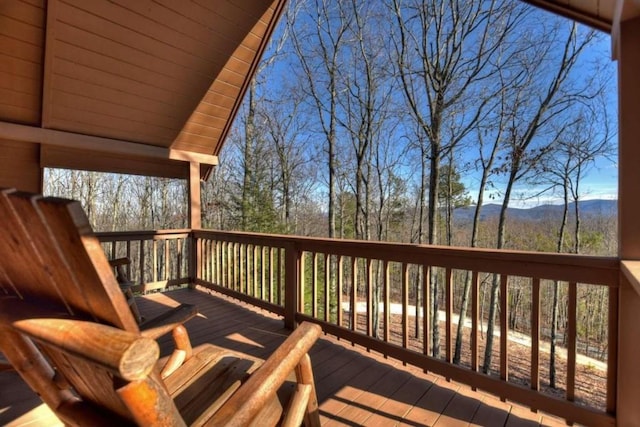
[599,183]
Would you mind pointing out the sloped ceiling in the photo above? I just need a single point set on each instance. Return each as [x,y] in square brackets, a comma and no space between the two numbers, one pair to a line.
[161,77]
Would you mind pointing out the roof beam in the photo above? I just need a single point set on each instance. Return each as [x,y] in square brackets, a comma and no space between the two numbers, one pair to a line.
[58,138]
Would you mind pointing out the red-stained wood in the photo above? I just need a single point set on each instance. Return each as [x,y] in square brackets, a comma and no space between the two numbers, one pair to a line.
[387,300]
[572,319]
[504,327]
[353,305]
[246,403]
[612,360]
[405,304]
[535,334]
[449,314]
[474,320]
[426,317]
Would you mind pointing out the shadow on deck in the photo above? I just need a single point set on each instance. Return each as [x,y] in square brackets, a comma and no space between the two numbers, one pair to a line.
[354,387]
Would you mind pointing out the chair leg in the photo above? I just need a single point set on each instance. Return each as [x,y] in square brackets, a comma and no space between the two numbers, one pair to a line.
[131,300]
[304,375]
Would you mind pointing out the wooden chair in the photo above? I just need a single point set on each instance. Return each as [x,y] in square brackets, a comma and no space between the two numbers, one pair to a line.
[65,326]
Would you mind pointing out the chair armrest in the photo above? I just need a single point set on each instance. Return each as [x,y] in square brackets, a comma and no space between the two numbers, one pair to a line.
[262,385]
[123,353]
[168,321]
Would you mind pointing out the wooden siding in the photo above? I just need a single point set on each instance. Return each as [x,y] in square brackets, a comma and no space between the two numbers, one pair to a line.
[21,50]
[20,165]
[354,387]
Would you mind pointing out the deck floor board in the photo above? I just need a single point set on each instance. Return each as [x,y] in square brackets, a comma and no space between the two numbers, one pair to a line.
[354,386]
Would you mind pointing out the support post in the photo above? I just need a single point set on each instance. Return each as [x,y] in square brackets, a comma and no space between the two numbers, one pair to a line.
[628,375]
[195,220]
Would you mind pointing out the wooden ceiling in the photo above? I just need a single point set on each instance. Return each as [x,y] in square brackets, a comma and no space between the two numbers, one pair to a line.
[145,78]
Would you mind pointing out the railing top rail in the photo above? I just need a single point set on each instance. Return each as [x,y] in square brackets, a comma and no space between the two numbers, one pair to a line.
[552,266]
[109,236]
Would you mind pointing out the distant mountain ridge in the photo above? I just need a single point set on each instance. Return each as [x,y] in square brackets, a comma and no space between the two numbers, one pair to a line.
[588,208]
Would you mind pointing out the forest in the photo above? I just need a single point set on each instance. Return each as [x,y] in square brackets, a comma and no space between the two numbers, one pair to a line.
[378,120]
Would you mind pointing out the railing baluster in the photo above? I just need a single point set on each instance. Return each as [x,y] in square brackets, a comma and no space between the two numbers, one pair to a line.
[268,272]
[448,314]
[405,305]
[426,308]
[241,282]
[179,258]
[114,252]
[216,261]
[535,333]
[223,263]
[504,327]
[339,289]
[167,264]
[475,309]
[248,265]
[314,284]
[387,299]
[279,273]
[256,273]
[209,259]
[327,286]
[129,256]
[236,260]
[369,301]
[612,350]
[571,341]
[154,248]
[302,282]
[354,293]
[265,260]
[142,242]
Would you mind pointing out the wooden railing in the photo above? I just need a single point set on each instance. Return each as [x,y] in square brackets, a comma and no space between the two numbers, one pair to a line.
[250,267]
[379,295]
[159,259]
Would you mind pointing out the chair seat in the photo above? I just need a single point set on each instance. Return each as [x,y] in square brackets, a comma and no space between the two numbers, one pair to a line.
[206,381]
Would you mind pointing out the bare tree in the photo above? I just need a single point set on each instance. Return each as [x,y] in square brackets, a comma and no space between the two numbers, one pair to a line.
[443,52]
[574,155]
[537,103]
[318,48]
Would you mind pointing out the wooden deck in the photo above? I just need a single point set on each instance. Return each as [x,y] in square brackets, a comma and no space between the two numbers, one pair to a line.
[354,387]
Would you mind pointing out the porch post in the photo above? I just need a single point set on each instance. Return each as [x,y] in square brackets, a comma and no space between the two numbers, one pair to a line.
[195,219]
[628,384]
